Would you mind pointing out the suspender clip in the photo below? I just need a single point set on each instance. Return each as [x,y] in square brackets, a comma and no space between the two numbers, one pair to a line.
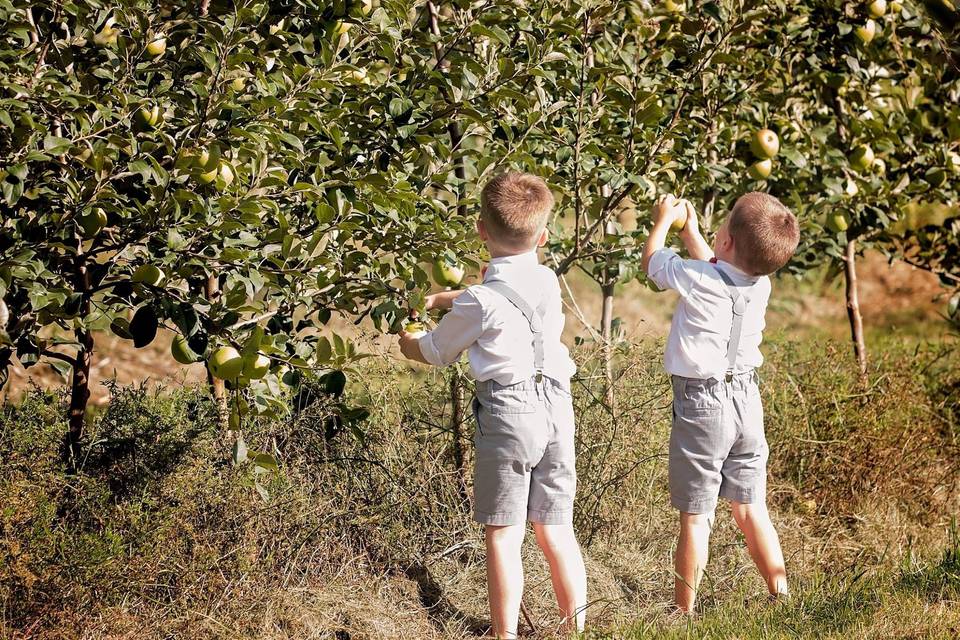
[539,377]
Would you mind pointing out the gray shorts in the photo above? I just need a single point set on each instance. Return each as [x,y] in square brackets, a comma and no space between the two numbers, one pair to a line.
[525,463]
[717,445]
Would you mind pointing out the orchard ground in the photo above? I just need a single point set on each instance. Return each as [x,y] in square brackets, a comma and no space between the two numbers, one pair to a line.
[161,536]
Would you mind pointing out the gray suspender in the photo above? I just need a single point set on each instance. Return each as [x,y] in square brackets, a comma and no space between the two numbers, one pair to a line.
[736,329]
[535,318]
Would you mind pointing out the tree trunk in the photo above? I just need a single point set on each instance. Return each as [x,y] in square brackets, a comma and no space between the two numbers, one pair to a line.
[457,379]
[606,316]
[606,332]
[456,429]
[79,391]
[217,389]
[80,382]
[853,307]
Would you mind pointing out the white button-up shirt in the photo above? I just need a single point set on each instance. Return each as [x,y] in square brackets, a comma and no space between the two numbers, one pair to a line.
[700,331]
[496,333]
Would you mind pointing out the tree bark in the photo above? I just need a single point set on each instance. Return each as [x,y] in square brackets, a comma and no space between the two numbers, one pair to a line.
[456,429]
[606,332]
[853,307]
[607,287]
[710,199]
[80,380]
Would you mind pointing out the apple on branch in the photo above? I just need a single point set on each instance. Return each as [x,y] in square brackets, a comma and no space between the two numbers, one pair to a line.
[761,169]
[447,274]
[225,363]
[765,144]
[156,47]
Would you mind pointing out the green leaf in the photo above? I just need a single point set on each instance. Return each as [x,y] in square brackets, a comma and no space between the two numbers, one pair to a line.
[56,146]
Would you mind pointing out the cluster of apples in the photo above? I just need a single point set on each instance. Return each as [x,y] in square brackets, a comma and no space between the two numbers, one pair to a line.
[209,168]
[876,10]
[109,34]
[764,145]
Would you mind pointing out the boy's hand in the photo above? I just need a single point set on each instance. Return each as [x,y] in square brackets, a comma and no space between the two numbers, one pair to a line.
[668,209]
[410,347]
[692,227]
[692,239]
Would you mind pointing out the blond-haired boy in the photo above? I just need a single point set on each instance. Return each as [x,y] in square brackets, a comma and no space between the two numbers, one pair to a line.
[510,326]
[717,442]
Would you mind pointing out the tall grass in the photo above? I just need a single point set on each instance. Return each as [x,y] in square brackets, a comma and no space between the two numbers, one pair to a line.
[161,535]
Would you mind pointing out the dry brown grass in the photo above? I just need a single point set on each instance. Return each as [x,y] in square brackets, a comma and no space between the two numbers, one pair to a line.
[161,537]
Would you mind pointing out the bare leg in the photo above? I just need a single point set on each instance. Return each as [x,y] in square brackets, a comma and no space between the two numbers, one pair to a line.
[560,546]
[763,544]
[504,577]
[693,548]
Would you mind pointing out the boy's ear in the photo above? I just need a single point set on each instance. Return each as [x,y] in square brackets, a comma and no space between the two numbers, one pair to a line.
[482,230]
[543,238]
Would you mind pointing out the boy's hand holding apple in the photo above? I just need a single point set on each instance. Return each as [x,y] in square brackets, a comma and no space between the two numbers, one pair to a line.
[670,210]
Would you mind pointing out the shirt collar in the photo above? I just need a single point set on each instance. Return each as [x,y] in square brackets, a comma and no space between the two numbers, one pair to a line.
[527,259]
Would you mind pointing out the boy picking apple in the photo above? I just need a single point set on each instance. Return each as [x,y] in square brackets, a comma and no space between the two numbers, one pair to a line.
[717,443]
[510,326]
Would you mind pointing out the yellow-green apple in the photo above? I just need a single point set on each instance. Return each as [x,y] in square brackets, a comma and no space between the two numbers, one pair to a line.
[225,363]
[93,222]
[157,46]
[877,8]
[256,366]
[838,222]
[446,274]
[866,32]
[761,169]
[107,37]
[765,144]
[149,274]
[862,157]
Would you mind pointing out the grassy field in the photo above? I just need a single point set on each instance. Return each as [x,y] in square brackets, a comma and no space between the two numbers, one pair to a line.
[160,535]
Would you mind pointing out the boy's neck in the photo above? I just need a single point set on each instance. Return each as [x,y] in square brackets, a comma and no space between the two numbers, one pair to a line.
[732,263]
[499,253]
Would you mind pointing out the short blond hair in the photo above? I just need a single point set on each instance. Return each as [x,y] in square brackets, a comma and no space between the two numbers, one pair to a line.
[515,208]
[765,233]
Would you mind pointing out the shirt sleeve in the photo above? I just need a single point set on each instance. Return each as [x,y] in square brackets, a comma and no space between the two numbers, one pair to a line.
[457,330]
[670,271]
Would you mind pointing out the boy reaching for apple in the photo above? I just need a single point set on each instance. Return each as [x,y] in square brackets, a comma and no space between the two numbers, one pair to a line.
[717,443]
[510,326]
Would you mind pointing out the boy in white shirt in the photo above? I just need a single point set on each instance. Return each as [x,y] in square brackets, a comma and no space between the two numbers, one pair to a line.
[511,325]
[717,443]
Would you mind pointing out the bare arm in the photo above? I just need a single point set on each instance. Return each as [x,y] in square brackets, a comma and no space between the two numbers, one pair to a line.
[410,342]
[693,240]
[665,212]
[443,300]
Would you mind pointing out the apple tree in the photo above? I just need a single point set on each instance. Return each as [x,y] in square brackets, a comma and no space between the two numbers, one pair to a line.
[237,172]
[873,103]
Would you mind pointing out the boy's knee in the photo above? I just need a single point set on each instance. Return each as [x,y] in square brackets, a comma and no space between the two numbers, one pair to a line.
[745,513]
[504,535]
[696,520]
[554,536]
